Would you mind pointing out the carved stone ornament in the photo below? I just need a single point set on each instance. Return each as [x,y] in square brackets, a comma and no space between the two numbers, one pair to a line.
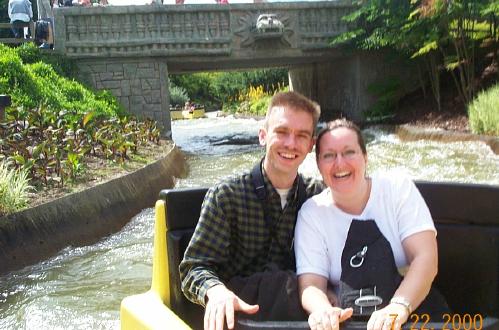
[253,27]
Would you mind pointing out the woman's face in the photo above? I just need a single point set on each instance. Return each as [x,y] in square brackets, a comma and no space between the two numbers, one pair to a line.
[341,161]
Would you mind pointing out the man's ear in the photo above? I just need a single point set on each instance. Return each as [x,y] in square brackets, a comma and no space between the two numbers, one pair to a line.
[312,143]
[262,135]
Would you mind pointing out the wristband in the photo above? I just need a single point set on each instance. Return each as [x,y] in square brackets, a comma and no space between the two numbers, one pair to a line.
[402,301]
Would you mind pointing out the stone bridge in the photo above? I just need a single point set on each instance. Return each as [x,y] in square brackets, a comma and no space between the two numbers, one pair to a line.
[130,50]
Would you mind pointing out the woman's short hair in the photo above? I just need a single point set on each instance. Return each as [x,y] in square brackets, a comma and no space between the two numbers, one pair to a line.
[338,123]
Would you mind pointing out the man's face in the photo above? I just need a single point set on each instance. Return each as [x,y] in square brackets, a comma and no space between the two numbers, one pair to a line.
[288,138]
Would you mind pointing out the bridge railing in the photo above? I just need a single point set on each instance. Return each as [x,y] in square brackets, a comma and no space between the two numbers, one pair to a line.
[16,41]
[194,30]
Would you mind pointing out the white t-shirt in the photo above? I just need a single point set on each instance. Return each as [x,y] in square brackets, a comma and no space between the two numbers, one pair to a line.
[321,230]
[283,193]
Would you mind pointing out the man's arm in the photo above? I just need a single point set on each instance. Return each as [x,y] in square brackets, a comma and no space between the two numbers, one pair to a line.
[208,249]
[206,253]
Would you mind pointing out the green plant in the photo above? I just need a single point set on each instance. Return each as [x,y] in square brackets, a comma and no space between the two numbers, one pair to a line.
[442,35]
[259,107]
[33,83]
[178,96]
[222,89]
[483,112]
[387,93]
[29,53]
[14,188]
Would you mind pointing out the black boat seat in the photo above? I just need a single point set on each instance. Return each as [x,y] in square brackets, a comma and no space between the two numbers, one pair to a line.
[467,221]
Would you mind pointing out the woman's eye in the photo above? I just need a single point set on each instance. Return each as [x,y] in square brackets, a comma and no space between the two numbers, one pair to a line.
[349,153]
[329,155]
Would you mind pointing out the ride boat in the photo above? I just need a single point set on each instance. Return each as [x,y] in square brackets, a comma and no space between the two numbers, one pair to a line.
[467,220]
[188,112]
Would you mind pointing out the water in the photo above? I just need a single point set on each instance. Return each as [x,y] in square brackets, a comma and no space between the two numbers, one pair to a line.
[81,288]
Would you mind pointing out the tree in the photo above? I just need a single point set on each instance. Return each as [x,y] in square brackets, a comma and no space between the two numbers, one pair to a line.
[442,34]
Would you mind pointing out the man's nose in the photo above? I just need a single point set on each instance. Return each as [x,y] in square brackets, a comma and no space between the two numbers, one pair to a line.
[290,140]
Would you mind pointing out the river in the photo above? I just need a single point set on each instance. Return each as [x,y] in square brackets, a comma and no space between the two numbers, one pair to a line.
[81,288]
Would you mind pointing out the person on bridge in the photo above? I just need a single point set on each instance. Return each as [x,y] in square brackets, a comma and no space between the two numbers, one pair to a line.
[240,258]
[20,13]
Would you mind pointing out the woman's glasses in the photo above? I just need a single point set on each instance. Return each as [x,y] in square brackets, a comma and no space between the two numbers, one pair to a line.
[331,156]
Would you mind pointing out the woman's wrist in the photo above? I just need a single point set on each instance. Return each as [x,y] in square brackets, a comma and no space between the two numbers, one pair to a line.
[399,300]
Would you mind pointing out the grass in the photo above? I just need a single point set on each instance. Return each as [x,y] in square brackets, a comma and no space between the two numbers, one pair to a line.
[14,189]
[483,112]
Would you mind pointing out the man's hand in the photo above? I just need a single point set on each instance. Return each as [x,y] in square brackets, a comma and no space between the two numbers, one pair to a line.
[329,318]
[222,303]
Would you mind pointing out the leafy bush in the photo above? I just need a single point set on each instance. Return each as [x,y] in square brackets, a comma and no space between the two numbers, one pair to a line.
[62,65]
[223,89]
[55,122]
[35,84]
[52,147]
[387,93]
[199,88]
[14,189]
[483,112]
[178,96]
[259,107]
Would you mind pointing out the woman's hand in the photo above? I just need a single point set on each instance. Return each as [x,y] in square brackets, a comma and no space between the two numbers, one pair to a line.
[389,318]
[328,318]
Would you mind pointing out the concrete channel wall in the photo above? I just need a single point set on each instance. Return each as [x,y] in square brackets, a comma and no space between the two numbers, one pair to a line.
[84,217]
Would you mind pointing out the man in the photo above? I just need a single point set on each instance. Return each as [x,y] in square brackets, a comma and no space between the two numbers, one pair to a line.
[20,13]
[241,252]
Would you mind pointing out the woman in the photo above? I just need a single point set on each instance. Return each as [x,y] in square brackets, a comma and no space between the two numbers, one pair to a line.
[357,235]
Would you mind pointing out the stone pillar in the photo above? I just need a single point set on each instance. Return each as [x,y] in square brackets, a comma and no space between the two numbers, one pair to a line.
[141,86]
[303,79]
[341,85]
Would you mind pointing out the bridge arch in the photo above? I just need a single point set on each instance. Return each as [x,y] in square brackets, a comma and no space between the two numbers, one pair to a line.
[130,50]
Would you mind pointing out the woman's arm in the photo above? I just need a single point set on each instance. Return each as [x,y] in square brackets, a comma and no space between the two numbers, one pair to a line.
[314,299]
[422,255]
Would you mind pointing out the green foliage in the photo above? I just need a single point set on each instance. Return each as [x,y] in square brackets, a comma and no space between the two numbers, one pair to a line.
[37,83]
[387,93]
[178,96]
[259,107]
[444,34]
[15,78]
[224,88]
[62,65]
[52,147]
[56,122]
[198,87]
[14,189]
[483,112]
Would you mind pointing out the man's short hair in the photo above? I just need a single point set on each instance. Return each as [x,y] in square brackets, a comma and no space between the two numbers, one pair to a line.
[295,101]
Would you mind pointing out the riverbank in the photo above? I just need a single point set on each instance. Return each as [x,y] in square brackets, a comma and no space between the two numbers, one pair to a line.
[84,217]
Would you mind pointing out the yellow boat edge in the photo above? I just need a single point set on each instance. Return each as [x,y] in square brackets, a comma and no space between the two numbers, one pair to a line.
[186,114]
[150,310]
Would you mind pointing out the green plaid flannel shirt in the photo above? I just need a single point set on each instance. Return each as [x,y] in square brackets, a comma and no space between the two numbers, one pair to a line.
[232,237]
